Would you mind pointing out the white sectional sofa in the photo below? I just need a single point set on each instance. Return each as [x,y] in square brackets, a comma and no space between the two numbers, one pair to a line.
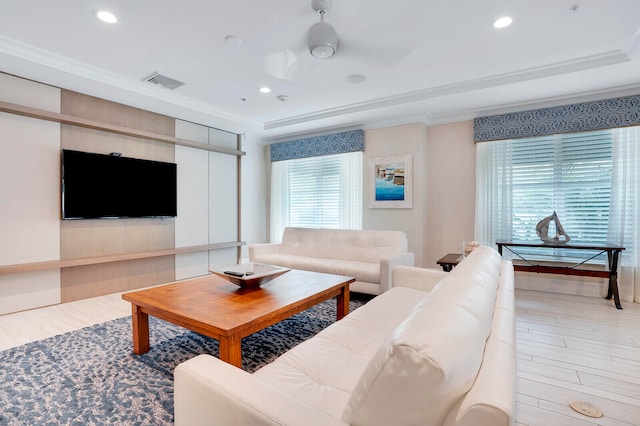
[368,256]
[436,349]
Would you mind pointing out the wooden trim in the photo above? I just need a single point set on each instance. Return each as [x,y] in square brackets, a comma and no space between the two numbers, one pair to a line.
[613,252]
[569,245]
[239,139]
[120,130]
[56,264]
[562,270]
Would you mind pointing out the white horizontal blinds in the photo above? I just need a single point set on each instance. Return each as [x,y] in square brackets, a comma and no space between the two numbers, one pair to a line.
[314,192]
[351,190]
[569,174]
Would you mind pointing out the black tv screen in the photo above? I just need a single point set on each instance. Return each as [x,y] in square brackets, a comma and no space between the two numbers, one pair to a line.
[110,186]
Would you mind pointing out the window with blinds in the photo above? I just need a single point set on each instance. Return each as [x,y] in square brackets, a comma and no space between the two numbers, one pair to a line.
[314,192]
[569,174]
[323,192]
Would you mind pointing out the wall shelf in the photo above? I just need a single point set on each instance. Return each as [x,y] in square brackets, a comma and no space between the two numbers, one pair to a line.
[68,263]
[109,257]
[120,130]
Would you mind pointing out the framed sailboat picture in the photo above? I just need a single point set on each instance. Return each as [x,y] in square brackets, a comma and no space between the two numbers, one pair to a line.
[390,183]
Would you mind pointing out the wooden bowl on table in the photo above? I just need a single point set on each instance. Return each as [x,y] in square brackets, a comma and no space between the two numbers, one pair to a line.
[250,275]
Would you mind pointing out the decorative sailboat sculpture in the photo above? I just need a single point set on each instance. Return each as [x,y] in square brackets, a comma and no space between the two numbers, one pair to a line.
[542,229]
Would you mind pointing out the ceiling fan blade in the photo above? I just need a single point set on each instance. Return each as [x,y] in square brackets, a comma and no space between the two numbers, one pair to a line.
[282,64]
[361,29]
[385,54]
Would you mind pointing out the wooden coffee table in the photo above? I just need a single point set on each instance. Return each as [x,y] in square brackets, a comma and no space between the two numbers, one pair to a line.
[219,309]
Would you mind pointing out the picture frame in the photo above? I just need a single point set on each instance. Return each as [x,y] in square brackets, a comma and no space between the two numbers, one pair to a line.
[390,183]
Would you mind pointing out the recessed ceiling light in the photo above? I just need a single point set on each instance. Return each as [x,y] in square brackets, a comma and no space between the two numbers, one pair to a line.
[282,98]
[502,22]
[107,17]
[265,90]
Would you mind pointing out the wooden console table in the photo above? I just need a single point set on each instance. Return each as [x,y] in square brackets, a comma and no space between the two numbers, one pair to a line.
[613,251]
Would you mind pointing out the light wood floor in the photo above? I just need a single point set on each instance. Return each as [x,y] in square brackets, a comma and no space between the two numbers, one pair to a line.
[576,348]
[568,348]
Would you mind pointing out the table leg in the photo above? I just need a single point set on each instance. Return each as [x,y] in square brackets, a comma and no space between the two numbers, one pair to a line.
[343,302]
[231,350]
[612,257]
[140,326]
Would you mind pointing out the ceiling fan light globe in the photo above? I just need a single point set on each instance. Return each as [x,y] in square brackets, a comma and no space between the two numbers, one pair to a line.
[323,52]
[323,40]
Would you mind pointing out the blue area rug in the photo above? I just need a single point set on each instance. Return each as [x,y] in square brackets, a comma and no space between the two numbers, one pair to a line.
[92,377]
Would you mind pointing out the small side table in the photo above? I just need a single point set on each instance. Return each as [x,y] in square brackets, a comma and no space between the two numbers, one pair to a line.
[449,261]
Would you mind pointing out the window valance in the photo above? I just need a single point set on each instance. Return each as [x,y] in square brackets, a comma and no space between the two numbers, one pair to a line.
[596,115]
[336,143]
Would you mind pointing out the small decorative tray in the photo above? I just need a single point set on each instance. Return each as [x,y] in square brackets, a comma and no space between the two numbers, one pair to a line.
[250,275]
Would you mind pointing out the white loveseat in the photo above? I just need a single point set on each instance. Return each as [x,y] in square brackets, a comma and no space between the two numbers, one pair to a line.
[368,256]
[436,349]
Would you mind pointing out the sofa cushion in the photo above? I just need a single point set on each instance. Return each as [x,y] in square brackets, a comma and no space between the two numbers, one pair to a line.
[432,358]
[323,371]
[352,245]
[361,271]
[490,401]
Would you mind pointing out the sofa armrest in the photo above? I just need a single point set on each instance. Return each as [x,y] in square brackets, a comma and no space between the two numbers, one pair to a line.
[256,250]
[388,263]
[418,278]
[209,391]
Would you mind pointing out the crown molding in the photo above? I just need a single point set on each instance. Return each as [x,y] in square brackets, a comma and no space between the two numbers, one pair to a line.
[470,114]
[156,95]
[372,124]
[563,67]
[311,134]
[398,121]
[110,80]
[594,95]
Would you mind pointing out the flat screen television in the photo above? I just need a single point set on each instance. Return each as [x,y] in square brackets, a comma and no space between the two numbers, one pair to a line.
[109,186]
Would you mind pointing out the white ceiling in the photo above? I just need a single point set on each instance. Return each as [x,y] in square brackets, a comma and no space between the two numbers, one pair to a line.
[424,60]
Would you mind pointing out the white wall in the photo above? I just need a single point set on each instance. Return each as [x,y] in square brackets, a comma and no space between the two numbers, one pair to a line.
[192,222]
[223,199]
[443,163]
[255,187]
[451,189]
[29,195]
[392,142]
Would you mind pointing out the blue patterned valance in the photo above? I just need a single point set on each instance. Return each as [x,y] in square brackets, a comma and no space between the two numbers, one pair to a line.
[336,143]
[606,114]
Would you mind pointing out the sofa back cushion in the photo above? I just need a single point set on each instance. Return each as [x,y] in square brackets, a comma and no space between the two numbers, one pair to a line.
[491,400]
[344,244]
[431,359]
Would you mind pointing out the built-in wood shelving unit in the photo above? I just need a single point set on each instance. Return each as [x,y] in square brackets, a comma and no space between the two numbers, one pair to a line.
[67,263]
[96,125]
[79,278]
[121,130]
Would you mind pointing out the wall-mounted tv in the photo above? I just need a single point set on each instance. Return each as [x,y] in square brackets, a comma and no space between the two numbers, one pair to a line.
[110,186]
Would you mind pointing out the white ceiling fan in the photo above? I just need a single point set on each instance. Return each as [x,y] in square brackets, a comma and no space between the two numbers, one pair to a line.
[322,37]
[363,40]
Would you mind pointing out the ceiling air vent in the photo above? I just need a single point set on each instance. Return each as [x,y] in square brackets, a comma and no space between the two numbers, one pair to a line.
[163,80]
